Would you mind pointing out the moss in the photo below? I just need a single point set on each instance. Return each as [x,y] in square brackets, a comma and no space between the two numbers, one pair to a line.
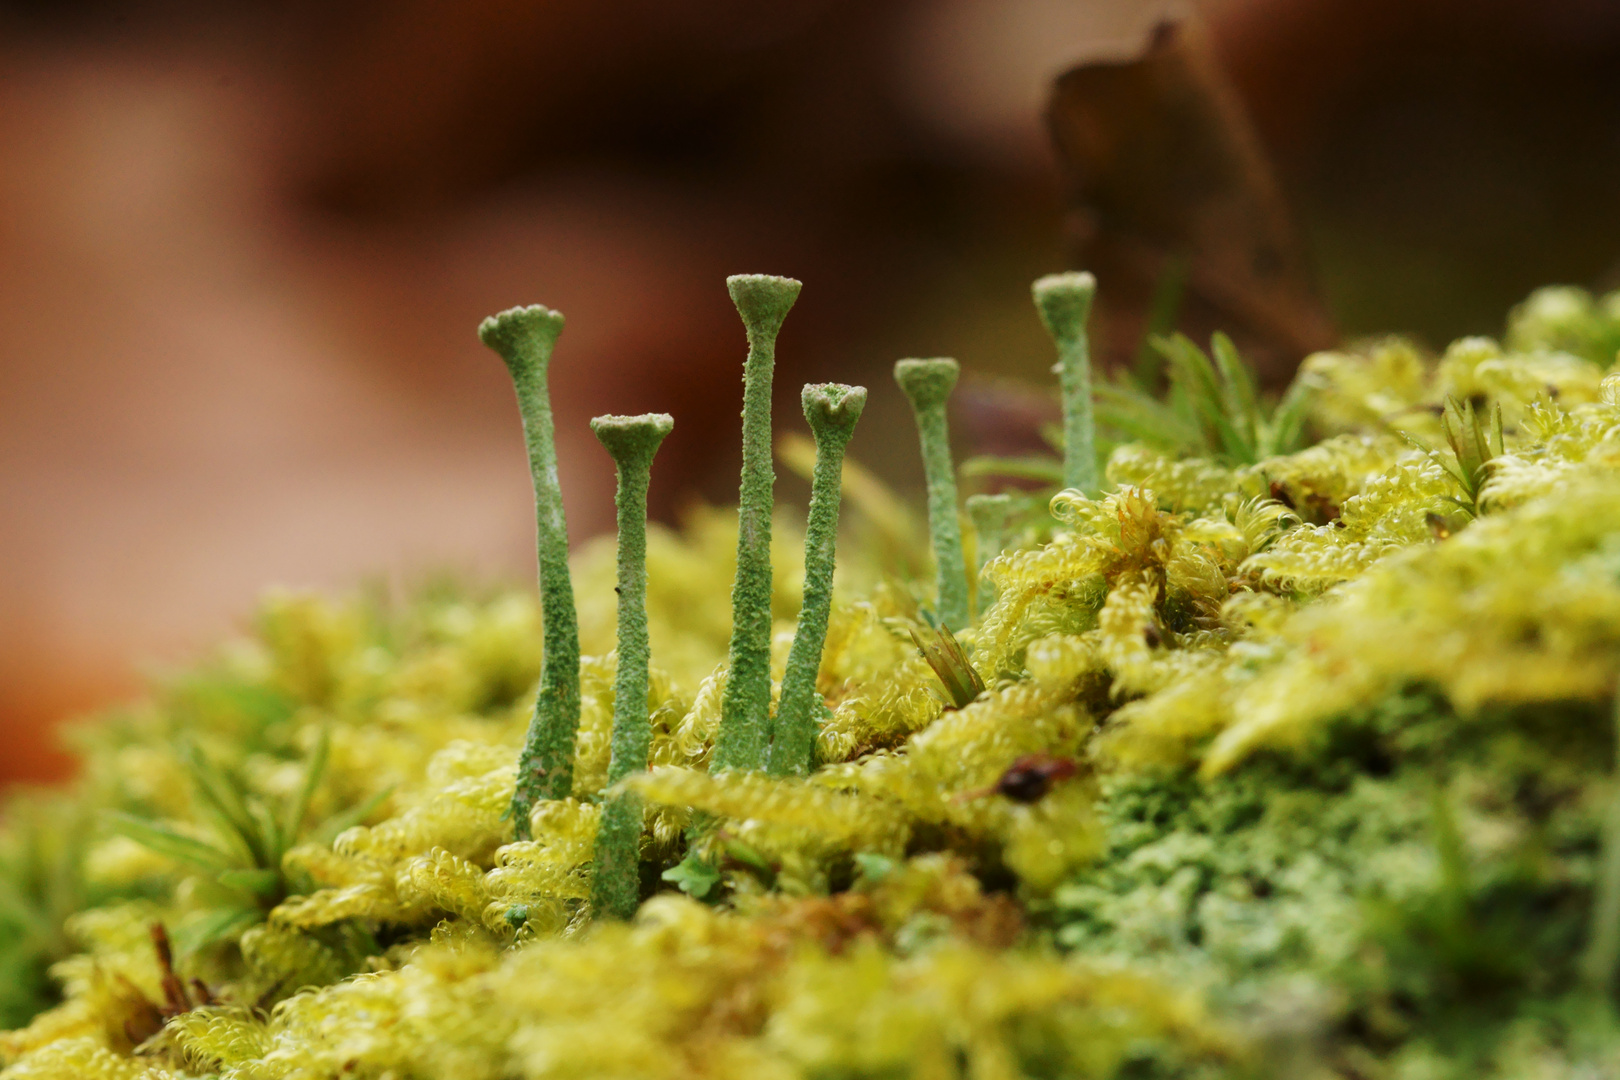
[1295,756]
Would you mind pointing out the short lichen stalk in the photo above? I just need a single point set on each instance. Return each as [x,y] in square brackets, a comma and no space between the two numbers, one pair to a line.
[763,302]
[1064,301]
[989,516]
[927,385]
[524,337]
[615,881]
[832,410]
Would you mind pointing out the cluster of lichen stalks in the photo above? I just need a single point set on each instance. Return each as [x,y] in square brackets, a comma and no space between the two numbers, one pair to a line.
[1265,754]
[750,737]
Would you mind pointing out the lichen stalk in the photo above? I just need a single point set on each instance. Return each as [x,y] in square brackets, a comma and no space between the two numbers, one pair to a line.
[615,881]
[832,410]
[989,516]
[524,338]
[927,385]
[763,301]
[1064,302]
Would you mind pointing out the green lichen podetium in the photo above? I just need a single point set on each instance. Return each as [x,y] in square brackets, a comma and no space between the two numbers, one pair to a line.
[763,301]
[1064,301]
[989,516]
[524,337]
[832,409]
[928,384]
[615,883]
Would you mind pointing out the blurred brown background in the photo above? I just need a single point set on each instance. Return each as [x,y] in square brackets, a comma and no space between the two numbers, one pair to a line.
[244,247]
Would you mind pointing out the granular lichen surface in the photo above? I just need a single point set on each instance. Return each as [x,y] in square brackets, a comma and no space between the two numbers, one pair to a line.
[1296,758]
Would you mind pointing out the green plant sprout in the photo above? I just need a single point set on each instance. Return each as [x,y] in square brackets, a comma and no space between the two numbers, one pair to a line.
[525,337]
[1473,448]
[763,301]
[615,881]
[1064,301]
[1213,410]
[832,410]
[251,837]
[927,384]
[989,514]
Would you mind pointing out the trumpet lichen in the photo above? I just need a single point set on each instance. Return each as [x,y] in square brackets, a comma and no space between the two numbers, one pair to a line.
[632,440]
[525,337]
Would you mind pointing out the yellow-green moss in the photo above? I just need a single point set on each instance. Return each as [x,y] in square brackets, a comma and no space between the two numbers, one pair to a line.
[1327,761]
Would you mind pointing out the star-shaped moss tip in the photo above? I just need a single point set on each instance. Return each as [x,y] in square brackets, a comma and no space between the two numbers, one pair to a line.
[763,301]
[927,383]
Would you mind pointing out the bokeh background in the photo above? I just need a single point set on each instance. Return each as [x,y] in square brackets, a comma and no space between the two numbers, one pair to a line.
[244,247]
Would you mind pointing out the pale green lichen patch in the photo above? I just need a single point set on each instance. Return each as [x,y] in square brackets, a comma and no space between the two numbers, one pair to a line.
[1266,759]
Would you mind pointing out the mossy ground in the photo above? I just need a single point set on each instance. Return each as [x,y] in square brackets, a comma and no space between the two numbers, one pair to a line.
[1343,770]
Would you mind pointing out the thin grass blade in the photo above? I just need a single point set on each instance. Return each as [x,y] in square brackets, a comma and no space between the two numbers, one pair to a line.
[175,845]
[1286,430]
[1242,407]
[298,809]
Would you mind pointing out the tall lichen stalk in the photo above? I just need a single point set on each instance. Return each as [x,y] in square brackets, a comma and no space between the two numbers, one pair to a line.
[763,301]
[927,385]
[1064,301]
[832,410]
[525,337]
[615,884]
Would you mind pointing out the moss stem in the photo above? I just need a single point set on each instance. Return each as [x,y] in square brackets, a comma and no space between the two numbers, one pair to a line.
[1064,301]
[763,302]
[989,516]
[615,880]
[524,337]
[928,384]
[832,409]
